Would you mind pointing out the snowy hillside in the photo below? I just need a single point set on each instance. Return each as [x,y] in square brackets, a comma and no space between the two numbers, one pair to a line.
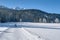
[29,31]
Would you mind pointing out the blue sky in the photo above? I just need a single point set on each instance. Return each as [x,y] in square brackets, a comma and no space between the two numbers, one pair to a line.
[51,6]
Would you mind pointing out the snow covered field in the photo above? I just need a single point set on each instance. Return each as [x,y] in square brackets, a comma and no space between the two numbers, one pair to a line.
[29,31]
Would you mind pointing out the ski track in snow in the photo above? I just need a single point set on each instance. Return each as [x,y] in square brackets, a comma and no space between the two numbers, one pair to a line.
[17,34]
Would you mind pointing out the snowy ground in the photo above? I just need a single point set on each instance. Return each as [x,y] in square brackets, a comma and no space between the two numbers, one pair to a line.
[30,31]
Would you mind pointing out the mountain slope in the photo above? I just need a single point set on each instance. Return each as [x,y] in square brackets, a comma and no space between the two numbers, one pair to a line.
[28,15]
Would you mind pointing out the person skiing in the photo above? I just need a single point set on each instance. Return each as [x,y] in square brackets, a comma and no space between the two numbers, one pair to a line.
[15,25]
